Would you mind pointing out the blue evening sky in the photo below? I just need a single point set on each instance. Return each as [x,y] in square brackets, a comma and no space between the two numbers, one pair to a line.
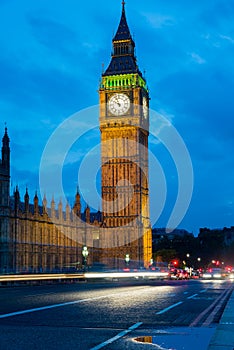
[51,56]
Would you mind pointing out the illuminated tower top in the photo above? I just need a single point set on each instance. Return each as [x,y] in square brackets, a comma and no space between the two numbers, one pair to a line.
[123,59]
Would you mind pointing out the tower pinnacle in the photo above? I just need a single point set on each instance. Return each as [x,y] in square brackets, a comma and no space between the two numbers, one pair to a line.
[123,60]
[6,150]
[123,32]
[5,139]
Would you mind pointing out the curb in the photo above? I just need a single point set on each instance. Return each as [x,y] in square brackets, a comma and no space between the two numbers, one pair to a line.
[223,338]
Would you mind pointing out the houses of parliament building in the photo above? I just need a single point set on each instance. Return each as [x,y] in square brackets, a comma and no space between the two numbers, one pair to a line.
[47,237]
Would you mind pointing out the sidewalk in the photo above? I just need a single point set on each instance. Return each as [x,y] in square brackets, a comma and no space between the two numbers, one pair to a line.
[223,338]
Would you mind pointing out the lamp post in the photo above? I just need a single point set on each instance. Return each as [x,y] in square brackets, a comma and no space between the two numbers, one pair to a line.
[189,264]
[199,260]
[127,259]
[85,254]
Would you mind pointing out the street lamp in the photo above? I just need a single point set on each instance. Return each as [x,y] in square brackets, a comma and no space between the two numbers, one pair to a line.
[189,263]
[127,259]
[85,254]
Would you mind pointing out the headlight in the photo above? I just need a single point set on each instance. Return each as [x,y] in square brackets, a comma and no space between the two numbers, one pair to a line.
[217,275]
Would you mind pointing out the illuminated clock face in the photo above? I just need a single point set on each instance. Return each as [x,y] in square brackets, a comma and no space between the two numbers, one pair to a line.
[119,104]
[145,107]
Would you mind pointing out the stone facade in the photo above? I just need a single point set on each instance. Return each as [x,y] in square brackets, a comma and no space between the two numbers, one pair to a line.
[49,239]
[124,125]
[37,238]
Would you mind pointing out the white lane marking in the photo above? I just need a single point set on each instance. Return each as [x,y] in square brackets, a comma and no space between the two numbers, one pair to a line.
[203,291]
[50,306]
[168,308]
[16,313]
[118,336]
[185,292]
[192,296]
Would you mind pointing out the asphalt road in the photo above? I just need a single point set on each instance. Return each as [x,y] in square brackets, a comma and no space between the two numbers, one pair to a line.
[86,315]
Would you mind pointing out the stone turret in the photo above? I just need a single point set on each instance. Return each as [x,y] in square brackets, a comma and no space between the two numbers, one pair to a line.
[36,207]
[26,202]
[44,205]
[77,205]
[87,214]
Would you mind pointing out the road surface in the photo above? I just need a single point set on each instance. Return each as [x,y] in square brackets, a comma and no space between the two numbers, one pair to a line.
[104,315]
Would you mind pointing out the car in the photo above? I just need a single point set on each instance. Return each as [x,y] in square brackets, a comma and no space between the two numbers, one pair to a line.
[214,273]
[195,274]
[173,273]
[183,275]
[178,274]
[231,274]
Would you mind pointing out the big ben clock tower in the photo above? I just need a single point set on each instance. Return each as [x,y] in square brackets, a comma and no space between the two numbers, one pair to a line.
[124,123]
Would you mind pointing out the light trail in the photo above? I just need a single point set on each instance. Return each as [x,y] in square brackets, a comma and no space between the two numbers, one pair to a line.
[135,274]
[87,275]
[38,277]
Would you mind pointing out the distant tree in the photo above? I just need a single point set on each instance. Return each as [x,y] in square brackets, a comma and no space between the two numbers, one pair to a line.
[165,255]
[181,245]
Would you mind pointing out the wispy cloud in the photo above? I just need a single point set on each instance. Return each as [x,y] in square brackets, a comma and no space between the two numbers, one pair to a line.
[197,58]
[228,38]
[159,20]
